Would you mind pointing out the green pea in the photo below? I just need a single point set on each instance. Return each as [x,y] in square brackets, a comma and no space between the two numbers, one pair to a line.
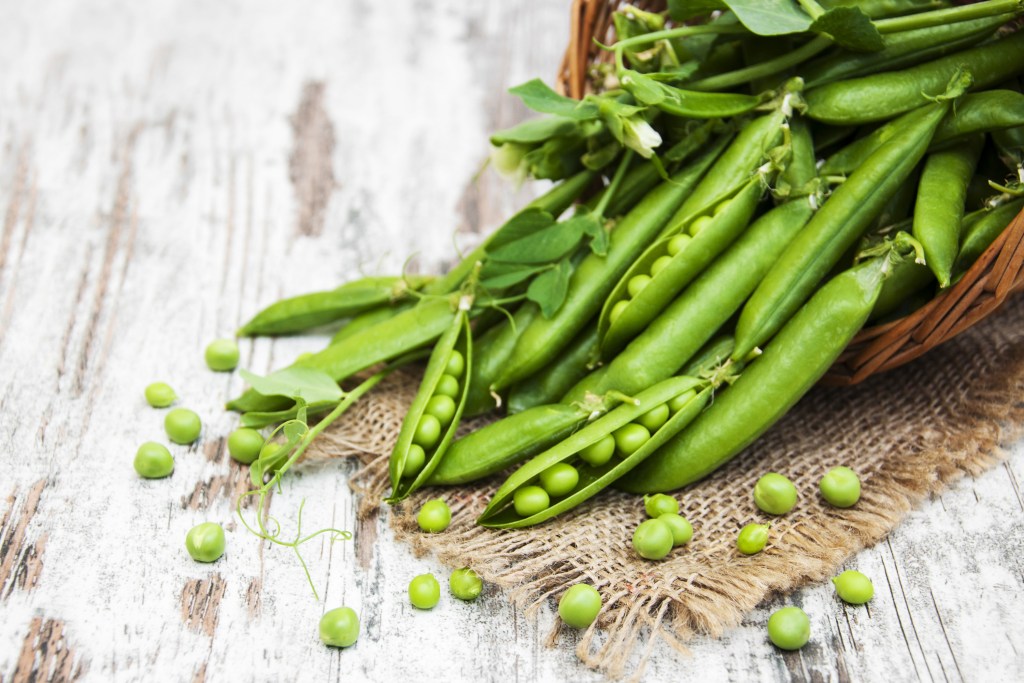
[153,461]
[775,494]
[722,206]
[617,310]
[435,516]
[752,539]
[465,584]
[456,364]
[789,628]
[245,445]
[579,606]
[600,452]
[339,627]
[653,539]
[415,458]
[637,283]
[447,386]
[205,542]
[682,530]
[160,395]
[654,418]
[630,437]
[659,265]
[679,402]
[698,225]
[678,243]
[529,500]
[428,431]
[442,407]
[182,425]
[853,587]
[841,487]
[424,591]
[222,355]
[559,480]
[660,504]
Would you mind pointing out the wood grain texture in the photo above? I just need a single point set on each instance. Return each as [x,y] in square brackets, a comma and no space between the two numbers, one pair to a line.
[170,167]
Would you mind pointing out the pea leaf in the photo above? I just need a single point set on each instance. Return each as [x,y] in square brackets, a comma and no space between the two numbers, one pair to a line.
[850,28]
[300,383]
[537,130]
[681,10]
[593,227]
[598,158]
[770,17]
[523,224]
[548,289]
[539,97]
[543,246]
[500,275]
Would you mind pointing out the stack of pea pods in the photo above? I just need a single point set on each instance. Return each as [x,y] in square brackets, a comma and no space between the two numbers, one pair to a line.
[737,208]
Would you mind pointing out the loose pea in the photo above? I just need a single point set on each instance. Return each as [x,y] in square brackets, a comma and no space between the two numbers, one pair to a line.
[775,494]
[435,516]
[630,437]
[841,487]
[447,386]
[679,402]
[699,224]
[617,310]
[153,461]
[465,584]
[678,243]
[682,530]
[660,504]
[456,364]
[160,395]
[659,265]
[442,407]
[339,627]
[424,591]
[653,539]
[599,453]
[428,431]
[559,480]
[205,542]
[789,628]
[752,539]
[578,607]
[222,355]
[182,425]
[654,418]
[415,458]
[529,500]
[245,444]
[637,283]
[853,587]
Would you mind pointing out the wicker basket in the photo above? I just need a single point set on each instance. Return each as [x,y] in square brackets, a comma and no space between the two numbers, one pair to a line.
[998,273]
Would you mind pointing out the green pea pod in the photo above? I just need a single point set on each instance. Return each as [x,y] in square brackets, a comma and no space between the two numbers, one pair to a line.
[1010,143]
[883,96]
[500,514]
[624,316]
[903,283]
[844,217]
[369,319]
[769,386]
[508,441]
[983,231]
[490,353]
[901,50]
[940,204]
[304,312]
[557,377]
[685,103]
[545,338]
[434,415]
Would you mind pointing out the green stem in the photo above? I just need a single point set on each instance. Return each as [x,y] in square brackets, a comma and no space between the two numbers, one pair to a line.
[613,186]
[769,68]
[812,8]
[951,15]
[680,32]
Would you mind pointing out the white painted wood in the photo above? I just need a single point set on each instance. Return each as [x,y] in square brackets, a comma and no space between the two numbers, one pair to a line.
[148,209]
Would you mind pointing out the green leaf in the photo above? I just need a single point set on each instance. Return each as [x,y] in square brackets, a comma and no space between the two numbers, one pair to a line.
[770,17]
[850,28]
[602,156]
[515,274]
[593,227]
[299,383]
[543,246]
[548,289]
[537,130]
[539,97]
[523,224]
[681,10]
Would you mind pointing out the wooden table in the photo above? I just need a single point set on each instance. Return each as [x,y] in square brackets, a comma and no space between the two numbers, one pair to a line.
[169,167]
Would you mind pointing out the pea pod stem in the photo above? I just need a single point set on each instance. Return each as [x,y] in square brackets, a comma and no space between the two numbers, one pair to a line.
[770,68]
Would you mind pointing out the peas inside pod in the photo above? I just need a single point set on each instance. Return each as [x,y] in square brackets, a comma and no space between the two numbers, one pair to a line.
[840,487]
[182,425]
[424,591]
[339,627]
[465,584]
[222,355]
[205,542]
[435,516]
[775,494]
[153,461]
[579,605]
[160,395]
[789,628]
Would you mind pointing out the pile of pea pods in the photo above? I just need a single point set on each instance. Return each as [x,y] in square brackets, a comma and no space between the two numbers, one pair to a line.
[723,217]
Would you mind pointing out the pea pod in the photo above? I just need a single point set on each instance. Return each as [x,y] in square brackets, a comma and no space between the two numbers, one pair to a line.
[369,319]
[983,231]
[490,353]
[769,386]
[901,288]
[691,395]
[434,415]
[940,204]
[844,217]
[557,377]
[883,96]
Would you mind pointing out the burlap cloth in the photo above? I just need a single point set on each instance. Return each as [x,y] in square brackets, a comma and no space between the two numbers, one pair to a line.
[908,433]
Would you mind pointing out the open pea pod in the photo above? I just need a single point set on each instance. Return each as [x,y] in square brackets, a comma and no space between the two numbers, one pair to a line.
[670,264]
[434,415]
[689,395]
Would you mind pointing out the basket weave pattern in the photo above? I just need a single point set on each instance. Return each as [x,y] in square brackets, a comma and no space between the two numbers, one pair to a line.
[998,272]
